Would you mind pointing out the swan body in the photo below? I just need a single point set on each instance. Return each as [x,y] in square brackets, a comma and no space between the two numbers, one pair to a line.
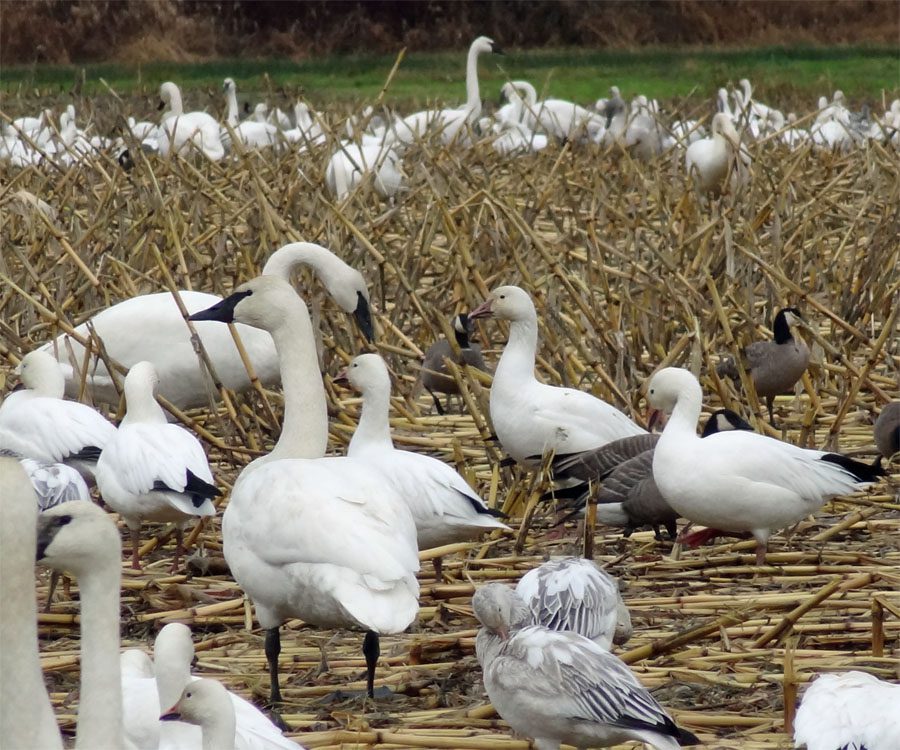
[352,162]
[710,161]
[183,133]
[251,133]
[531,418]
[739,481]
[152,470]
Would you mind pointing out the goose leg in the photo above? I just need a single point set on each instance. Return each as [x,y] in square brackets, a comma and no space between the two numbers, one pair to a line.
[761,550]
[371,650]
[136,548]
[179,547]
[273,649]
[770,404]
[437,402]
[54,579]
[438,563]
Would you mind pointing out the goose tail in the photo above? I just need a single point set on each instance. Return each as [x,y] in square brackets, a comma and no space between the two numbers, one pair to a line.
[861,472]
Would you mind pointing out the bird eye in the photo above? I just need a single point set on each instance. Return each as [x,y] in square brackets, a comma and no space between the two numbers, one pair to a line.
[652,391]
[502,296]
[187,695]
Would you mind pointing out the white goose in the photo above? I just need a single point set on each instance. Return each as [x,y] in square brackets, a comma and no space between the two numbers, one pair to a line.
[38,423]
[851,711]
[278,529]
[739,481]
[184,133]
[575,595]
[558,118]
[560,687]
[710,162]
[443,505]
[150,327]
[251,133]
[151,470]
[450,123]
[54,483]
[352,162]
[530,417]
[26,716]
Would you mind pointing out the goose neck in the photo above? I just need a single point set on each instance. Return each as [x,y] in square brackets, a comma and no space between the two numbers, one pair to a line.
[374,429]
[517,360]
[682,424]
[286,258]
[473,96]
[142,407]
[175,106]
[218,732]
[231,116]
[171,677]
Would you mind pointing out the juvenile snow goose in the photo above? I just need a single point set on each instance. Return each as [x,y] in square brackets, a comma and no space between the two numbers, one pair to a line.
[54,483]
[278,529]
[560,687]
[185,133]
[575,595]
[531,418]
[152,470]
[37,423]
[887,430]
[718,161]
[774,366]
[740,481]
[150,327]
[434,377]
[26,716]
[850,711]
[443,505]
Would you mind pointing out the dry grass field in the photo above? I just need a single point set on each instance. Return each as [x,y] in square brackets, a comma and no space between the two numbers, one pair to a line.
[630,272]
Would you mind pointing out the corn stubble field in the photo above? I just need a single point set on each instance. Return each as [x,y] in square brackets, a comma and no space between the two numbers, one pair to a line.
[630,272]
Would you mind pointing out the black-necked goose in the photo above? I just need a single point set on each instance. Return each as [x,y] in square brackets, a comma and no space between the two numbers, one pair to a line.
[774,366]
[434,376]
[738,481]
[533,419]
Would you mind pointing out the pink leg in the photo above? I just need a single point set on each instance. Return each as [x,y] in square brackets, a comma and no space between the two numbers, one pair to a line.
[136,548]
[179,548]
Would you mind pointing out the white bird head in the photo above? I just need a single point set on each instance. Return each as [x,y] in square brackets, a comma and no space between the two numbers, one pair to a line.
[77,537]
[499,609]
[39,371]
[485,44]
[202,702]
[264,302]
[506,303]
[368,372]
[668,385]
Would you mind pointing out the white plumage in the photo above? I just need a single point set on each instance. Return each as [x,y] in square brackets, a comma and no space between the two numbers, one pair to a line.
[186,133]
[352,162]
[152,470]
[710,161]
[532,418]
[251,133]
[55,483]
[850,711]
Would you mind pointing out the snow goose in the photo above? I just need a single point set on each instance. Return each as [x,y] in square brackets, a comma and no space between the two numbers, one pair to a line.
[450,123]
[774,366]
[81,539]
[151,470]
[718,160]
[250,133]
[278,529]
[740,481]
[434,377]
[205,704]
[38,423]
[531,418]
[850,711]
[575,595]
[26,716]
[151,327]
[444,506]
[183,133]
[54,483]
[887,430]
[349,165]
[560,687]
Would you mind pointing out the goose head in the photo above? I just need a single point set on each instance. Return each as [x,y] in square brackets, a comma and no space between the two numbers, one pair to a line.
[40,372]
[486,45]
[461,324]
[202,702]
[170,95]
[367,372]
[668,385]
[228,85]
[265,302]
[723,420]
[77,537]
[173,653]
[506,303]
[499,609]
[723,126]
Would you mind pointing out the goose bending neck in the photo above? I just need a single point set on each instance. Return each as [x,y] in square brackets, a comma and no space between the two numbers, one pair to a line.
[473,96]
[517,360]
[374,427]
[682,425]
[286,258]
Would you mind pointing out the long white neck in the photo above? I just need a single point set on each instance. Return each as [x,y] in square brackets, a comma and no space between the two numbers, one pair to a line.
[218,734]
[231,116]
[529,91]
[141,406]
[473,96]
[517,360]
[26,716]
[286,258]
[374,429]
[682,424]
[100,708]
[175,106]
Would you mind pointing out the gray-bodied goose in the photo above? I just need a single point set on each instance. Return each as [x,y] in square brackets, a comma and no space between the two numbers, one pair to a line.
[887,429]
[435,378]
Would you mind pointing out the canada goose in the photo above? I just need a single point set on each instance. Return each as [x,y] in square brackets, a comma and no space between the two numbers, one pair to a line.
[887,429]
[434,377]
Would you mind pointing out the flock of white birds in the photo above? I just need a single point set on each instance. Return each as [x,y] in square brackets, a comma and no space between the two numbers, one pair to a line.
[545,649]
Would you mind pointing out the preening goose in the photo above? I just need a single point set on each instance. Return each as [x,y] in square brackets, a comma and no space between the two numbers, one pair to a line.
[434,377]
[279,528]
[250,133]
[560,687]
[531,418]
[185,133]
[444,506]
[150,327]
[26,716]
[774,366]
[718,161]
[850,711]
[151,470]
[450,123]
[38,423]
[349,165]
[740,481]
[887,429]
[575,595]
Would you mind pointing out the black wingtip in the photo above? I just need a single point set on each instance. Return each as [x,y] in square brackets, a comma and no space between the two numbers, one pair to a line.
[686,738]
[860,471]
[363,316]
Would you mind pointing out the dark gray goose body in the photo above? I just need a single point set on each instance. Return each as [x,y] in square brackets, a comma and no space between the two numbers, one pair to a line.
[887,430]
[435,378]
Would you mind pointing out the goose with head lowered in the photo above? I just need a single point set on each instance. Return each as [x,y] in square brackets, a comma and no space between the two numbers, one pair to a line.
[435,378]
[738,481]
[322,539]
[152,470]
[444,506]
[533,419]
[151,327]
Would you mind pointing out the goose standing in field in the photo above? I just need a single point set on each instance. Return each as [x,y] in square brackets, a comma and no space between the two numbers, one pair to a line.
[435,378]
[251,133]
[444,506]
[450,123]
[150,327]
[887,430]
[738,481]
[560,687]
[183,133]
[26,716]
[38,423]
[575,595]
[717,161]
[349,165]
[279,528]
[532,419]
[774,366]
[152,470]
[850,711]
